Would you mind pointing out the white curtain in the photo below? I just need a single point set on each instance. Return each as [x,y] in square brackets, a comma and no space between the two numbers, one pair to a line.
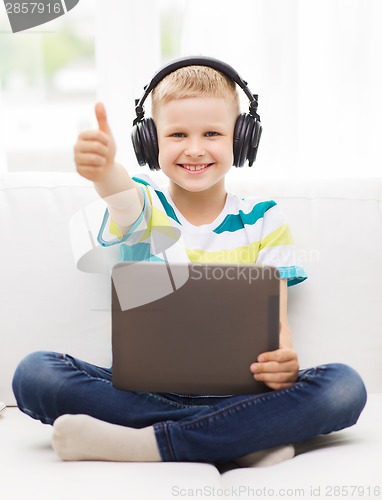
[3,164]
[127,53]
[316,65]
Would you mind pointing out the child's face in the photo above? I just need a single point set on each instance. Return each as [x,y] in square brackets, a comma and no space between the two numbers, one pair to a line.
[195,138]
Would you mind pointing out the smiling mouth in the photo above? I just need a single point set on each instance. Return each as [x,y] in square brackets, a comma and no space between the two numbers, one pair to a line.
[195,167]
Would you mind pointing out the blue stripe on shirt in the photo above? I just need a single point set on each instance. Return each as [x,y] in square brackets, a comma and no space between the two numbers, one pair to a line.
[234,222]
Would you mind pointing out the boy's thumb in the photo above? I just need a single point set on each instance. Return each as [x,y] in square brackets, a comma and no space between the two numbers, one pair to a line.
[101,116]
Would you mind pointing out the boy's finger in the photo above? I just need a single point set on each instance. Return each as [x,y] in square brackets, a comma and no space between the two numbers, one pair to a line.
[279,355]
[272,367]
[100,112]
[94,135]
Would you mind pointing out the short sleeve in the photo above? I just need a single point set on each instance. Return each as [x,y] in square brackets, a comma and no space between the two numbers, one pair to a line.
[277,248]
[110,234]
[152,236]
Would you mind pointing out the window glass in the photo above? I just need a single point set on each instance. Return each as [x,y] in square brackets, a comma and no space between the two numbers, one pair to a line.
[48,82]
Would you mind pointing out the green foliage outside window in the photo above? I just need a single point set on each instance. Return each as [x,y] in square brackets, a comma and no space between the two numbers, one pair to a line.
[34,54]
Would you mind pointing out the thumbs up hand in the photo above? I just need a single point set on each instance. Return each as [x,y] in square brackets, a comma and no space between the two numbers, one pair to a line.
[94,151]
[100,113]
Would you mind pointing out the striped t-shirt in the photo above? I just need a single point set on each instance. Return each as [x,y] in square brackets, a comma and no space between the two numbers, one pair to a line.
[247,231]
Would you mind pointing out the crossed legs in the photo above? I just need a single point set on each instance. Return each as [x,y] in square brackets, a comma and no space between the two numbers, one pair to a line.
[94,421]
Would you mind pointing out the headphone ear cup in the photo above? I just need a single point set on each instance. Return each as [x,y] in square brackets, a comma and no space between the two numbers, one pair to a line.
[254,143]
[237,140]
[145,143]
[151,142]
[242,138]
[246,139]
[137,144]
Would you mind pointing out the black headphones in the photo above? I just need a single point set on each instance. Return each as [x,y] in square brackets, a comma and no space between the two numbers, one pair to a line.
[247,130]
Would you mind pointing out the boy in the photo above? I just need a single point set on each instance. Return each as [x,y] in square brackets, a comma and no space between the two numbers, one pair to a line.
[195,109]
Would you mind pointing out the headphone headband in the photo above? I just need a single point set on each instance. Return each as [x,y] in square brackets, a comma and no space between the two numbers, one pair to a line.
[183,62]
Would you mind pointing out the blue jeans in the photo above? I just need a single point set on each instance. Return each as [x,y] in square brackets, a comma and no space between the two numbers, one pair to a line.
[206,428]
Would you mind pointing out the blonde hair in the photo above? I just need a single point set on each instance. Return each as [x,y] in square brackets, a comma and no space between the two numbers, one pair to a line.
[194,81]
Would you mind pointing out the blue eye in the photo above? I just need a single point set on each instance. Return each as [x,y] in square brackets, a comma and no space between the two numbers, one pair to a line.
[178,134]
[211,134]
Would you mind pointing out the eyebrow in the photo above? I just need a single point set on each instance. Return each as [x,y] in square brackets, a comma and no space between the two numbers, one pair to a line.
[184,127]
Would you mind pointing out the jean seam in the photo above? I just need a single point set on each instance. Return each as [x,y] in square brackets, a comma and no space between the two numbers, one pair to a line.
[171,403]
[66,359]
[164,427]
[163,438]
[316,371]
[69,362]
[36,416]
[151,394]
[252,400]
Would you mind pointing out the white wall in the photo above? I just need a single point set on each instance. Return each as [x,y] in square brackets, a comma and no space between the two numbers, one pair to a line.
[127,54]
[3,164]
[317,68]
[315,64]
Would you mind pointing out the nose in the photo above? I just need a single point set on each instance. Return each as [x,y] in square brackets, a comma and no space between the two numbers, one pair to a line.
[194,148]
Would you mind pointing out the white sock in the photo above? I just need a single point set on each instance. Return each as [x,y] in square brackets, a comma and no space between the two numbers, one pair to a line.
[265,458]
[80,437]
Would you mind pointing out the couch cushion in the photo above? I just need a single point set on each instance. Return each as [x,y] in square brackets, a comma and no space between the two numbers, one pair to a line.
[47,303]
[346,459]
[337,226]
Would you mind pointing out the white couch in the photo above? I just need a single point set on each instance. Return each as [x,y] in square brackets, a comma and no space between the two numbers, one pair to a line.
[47,303]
